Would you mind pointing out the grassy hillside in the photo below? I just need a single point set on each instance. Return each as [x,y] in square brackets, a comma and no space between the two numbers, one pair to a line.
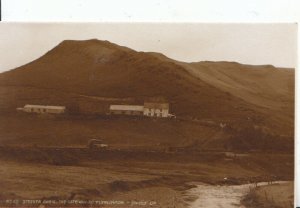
[255,102]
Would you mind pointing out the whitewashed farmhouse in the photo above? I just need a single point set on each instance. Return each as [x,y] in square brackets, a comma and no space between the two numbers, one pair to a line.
[156,109]
[43,109]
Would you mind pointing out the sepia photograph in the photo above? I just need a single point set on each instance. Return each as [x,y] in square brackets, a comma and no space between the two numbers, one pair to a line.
[141,115]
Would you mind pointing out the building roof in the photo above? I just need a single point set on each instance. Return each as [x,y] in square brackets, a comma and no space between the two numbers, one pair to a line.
[46,107]
[156,105]
[127,107]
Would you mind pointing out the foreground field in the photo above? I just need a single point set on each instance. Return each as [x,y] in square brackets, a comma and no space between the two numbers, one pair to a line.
[46,158]
[135,132]
[131,176]
[101,182]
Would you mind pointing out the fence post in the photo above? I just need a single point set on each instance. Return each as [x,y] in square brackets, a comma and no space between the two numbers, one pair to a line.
[266,196]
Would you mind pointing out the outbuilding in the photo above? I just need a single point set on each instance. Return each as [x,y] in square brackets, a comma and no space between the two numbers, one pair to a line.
[149,109]
[126,109]
[43,109]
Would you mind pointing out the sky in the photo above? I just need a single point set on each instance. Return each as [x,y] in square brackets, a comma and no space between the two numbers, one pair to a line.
[256,44]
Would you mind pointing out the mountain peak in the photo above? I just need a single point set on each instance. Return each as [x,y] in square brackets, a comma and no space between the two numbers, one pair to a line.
[92,43]
[88,49]
[86,42]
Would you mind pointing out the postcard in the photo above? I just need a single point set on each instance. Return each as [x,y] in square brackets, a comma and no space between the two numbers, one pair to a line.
[147,115]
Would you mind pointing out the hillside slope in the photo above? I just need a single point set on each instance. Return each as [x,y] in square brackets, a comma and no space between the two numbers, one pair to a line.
[242,96]
[102,69]
[265,86]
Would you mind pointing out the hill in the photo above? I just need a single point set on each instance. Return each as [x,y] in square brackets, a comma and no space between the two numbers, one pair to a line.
[254,101]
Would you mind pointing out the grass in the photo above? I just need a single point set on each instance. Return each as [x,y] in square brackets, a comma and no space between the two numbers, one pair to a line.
[270,196]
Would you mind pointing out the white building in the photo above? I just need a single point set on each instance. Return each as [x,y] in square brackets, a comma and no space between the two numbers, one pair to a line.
[126,109]
[43,109]
[156,109]
[148,109]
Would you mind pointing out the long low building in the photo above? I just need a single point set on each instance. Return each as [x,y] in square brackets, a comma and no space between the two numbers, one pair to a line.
[43,109]
[126,109]
[148,109]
